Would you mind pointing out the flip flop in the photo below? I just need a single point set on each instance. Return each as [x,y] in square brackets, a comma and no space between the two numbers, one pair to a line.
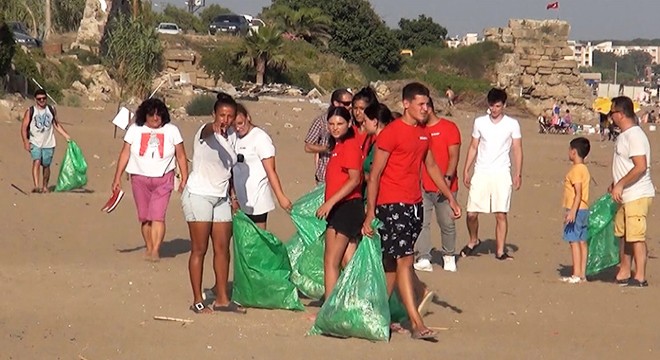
[423,307]
[232,307]
[426,334]
[504,256]
[622,282]
[468,251]
[397,328]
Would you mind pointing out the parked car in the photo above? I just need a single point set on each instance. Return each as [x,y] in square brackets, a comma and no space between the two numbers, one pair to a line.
[168,28]
[22,36]
[231,24]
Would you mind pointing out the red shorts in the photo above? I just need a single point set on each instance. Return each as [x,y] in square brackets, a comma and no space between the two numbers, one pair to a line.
[152,195]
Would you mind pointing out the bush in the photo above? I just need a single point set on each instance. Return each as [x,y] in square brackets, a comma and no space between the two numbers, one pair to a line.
[221,63]
[474,60]
[86,57]
[201,105]
[72,100]
[460,84]
[7,48]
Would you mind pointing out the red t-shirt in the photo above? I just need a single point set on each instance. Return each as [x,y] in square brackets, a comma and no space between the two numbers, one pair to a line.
[346,155]
[441,136]
[364,140]
[402,177]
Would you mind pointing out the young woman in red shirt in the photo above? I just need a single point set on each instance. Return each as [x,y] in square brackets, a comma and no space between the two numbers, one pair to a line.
[343,208]
[361,100]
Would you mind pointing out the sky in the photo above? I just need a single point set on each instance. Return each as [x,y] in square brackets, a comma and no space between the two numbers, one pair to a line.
[589,19]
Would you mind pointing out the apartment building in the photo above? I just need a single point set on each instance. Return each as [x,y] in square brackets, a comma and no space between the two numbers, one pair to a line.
[467,40]
[583,53]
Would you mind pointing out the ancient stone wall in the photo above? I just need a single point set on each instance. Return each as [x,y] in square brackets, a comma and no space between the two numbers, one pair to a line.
[539,69]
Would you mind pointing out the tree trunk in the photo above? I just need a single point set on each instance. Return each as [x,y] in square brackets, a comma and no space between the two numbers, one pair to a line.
[136,8]
[47,15]
[261,70]
[34,21]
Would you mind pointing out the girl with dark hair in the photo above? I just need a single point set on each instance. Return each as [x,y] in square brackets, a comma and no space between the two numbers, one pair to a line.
[376,117]
[150,148]
[343,208]
[362,100]
[255,176]
[206,205]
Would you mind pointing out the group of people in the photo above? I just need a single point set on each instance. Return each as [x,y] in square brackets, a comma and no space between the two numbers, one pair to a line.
[375,164]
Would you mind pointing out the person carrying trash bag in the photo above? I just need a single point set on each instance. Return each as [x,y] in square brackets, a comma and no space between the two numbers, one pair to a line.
[358,305]
[306,247]
[73,172]
[261,268]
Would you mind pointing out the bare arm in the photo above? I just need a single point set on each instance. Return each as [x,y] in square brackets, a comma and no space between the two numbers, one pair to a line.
[469,160]
[182,161]
[124,154]
[454,154]
[275,183]
[24,130]
[635,173]
[353,181]
[516,147]
[377,166]
[437,176]
[58,127]
[315,148]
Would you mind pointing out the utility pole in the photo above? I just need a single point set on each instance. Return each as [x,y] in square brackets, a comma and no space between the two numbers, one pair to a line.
[616,70]
[48,20]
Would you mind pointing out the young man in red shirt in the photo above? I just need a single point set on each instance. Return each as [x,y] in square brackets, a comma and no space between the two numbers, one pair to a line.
[394,195]
[445,144]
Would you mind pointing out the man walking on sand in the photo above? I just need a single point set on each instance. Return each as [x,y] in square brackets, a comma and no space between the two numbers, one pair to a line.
[633,189]
[494,137]
[316,141]
[37,127]
[445,144]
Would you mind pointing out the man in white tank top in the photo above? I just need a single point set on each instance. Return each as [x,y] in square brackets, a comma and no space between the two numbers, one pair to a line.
[38,136]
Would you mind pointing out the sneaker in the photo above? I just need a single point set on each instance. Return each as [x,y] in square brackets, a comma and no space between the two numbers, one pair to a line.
[449,263]
[574,280]
[423,265]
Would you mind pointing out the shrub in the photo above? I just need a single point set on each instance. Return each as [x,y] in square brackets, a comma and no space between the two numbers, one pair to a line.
[221,63]
[460,84]
[72,100]
[86,57]
[473,60]
[201,105]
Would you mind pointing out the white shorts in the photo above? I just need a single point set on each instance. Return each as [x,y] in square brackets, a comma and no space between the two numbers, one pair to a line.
[202,208]
[490,193]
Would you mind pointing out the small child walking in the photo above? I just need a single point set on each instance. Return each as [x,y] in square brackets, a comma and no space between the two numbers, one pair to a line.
[576,204]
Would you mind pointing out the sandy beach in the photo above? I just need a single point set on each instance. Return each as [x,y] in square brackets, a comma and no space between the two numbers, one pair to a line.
[75,286]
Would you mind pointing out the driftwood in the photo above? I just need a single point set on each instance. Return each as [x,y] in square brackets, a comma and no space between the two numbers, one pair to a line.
[167,318]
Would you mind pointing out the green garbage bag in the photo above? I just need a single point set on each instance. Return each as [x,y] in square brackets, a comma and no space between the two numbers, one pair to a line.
[307,245]
[73,172]
[602,245]
[398,313]
[261,268]
[358,306]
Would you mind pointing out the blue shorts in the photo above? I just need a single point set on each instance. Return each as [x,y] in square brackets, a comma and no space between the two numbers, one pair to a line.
[577,231]
[44,155]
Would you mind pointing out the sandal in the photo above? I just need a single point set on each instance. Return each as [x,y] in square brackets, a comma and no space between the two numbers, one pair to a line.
[426,334]
[198,308]
[397,328]
[504,256]
[232,307]
[622,282]
[468,251]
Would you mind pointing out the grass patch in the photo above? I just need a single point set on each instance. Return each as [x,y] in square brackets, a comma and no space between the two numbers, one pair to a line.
[201,105]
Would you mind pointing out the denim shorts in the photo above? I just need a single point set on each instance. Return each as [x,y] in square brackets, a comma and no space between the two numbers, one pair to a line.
[44,155]
[204,208]
[577,231]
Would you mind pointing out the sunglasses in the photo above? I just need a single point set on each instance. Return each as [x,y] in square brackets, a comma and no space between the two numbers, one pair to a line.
[346,103]
[41,98]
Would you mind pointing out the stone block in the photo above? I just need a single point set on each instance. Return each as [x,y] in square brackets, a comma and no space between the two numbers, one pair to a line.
[553,80]
[524,62]
[179,55]
[567,51]
[570,64]
[546,63]
[545,71]
[172,64]
[527,81]
[531,70]
[564,71]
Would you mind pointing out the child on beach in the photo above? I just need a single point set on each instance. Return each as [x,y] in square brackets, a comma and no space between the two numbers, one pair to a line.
[576,204]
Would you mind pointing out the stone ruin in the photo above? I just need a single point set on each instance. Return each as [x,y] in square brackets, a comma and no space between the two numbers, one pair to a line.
[540,68]
[92,25]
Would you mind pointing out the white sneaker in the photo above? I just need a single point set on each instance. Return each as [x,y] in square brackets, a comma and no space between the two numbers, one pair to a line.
[423,265]
[449,263]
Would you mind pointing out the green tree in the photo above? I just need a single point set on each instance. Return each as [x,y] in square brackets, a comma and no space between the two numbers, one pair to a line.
[7,47]
[419,32]
[211,12]
[132,53]
[310,24]
[262,51]
[359,35]
[184,19]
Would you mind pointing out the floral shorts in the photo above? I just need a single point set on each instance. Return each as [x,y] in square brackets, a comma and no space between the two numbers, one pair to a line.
[402,224]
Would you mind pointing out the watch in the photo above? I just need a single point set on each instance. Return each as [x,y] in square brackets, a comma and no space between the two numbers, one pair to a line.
[449,177]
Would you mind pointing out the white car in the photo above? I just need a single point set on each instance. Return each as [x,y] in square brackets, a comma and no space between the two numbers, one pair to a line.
[168,28]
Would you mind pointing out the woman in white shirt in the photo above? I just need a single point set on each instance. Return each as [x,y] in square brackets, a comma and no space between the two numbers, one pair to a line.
[255,176]
[151,146]
[206,205]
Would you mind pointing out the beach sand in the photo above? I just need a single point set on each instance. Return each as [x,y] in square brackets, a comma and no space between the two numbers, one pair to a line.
[74,285]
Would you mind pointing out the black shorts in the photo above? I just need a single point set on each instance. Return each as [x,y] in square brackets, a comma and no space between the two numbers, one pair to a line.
[347,217]
[402,224]
[261,218]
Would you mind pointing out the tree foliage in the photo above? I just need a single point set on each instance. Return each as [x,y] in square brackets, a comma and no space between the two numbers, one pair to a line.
[7,47]
[310,24]
[631,65]
[263,50]
[211,12]
[359,35]
[423,31]
[66,14]
[133,54]
[184,19]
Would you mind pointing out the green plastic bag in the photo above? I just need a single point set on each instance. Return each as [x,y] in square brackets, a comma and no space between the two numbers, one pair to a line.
[398,313]
[358,306]
[602,244]
[73,172]
[261,268]
[307,245]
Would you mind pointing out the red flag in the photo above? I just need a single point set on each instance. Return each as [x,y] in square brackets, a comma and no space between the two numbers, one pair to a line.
[552,5]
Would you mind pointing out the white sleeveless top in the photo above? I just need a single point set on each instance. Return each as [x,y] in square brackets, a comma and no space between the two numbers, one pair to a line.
[41,128]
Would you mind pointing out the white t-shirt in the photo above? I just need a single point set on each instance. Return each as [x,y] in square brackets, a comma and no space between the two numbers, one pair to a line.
[633,142]
[494,143]
[250,180]
[152,150]
[41,128]
[213,159]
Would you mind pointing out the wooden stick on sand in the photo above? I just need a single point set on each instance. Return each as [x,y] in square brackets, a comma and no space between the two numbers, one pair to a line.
[438,328]
[167,318]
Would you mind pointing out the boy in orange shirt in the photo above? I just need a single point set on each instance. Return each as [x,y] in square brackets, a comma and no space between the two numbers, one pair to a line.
[576,204]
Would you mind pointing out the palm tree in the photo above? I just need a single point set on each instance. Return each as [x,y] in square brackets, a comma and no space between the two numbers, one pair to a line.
[263,50]
[310,24]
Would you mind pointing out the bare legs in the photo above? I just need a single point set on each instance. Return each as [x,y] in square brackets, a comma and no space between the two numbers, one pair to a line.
[153,233]
[400,272]
[579,254]
[220,233]
[335,251]
[629,251]
[501,229]
[36,166]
